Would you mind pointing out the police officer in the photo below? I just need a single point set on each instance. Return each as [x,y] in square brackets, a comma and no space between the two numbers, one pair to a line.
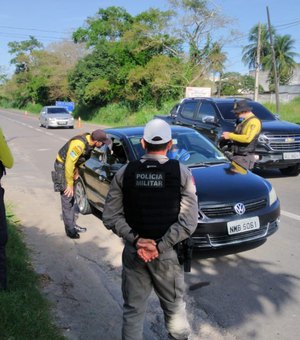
[75,152]
[6,161]
[245,136]
[152,205]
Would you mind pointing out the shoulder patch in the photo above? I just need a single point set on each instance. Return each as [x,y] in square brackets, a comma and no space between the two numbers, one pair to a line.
[75,152]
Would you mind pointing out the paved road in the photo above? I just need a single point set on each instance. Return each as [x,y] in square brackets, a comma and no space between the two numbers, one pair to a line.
[250,294]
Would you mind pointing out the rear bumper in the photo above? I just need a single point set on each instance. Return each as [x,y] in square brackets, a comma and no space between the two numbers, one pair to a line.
[60,124]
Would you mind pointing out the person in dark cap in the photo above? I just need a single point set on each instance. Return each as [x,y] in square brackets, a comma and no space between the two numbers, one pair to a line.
[245,136]
[152,205]
[75,152]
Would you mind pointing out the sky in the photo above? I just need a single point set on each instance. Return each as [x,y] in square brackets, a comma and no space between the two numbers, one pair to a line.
[55,20]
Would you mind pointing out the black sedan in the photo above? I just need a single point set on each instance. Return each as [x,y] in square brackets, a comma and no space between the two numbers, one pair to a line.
[235,206]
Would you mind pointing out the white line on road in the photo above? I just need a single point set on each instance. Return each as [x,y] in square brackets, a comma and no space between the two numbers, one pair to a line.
[290,215]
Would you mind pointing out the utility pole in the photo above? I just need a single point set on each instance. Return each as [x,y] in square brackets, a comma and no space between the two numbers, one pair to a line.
[274,64]
[257,64]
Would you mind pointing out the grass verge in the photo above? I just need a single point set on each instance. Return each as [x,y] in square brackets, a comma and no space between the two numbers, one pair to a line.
[24,312]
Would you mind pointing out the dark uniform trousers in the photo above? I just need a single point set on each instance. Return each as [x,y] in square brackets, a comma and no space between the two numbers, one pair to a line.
[166,276]
[3,241]
[68,205]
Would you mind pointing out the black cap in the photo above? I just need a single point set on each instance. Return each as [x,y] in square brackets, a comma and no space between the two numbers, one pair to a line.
[100,136]
[241,106]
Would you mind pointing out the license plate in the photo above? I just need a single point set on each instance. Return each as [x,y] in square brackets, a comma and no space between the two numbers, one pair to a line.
[242,226]
[291,155]
[62,123]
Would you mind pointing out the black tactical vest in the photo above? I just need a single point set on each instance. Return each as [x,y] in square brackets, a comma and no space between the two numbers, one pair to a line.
[245,148]
[151,196]
[87,149]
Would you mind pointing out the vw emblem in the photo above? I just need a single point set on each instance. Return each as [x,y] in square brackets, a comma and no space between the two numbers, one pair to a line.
[240,208]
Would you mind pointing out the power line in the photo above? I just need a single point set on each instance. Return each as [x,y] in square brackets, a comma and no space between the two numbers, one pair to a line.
[30,29]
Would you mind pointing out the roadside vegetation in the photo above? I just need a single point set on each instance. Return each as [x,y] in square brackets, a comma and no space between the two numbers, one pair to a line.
[121,69]
[288,111]
[25,313]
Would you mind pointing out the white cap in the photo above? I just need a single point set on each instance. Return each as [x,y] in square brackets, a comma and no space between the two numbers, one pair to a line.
[157,131]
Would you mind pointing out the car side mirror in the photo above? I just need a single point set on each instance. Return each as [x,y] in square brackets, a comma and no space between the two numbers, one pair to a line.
[209,119]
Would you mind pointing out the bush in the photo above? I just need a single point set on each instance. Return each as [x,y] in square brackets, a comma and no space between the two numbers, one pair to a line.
[34,108]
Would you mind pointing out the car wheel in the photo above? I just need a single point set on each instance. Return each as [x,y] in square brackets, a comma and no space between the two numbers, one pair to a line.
[47,125]
[81,199]
[291,170]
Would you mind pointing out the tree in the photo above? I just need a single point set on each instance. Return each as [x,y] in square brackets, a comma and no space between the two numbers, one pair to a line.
[284,56]
[107,25]
[250,51]
[195,23]
[65,56]
[23,52]
[161,78]
[148,33]
[100,66]
[3,75]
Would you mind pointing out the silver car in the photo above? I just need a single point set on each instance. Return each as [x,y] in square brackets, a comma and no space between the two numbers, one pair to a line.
[56,116]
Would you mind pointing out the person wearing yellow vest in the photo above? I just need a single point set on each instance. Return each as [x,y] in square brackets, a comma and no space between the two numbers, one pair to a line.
[75,152]
[6,161]
[245,136]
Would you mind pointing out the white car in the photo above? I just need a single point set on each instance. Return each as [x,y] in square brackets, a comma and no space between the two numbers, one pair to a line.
[56,116]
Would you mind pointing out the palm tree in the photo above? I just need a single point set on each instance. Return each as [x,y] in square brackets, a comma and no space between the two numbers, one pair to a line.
[217,60]
[250,51]
[285,63]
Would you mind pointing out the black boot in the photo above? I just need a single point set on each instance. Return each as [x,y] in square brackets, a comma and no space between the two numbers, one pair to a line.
[72,234]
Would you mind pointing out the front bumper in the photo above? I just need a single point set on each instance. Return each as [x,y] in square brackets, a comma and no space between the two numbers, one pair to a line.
[214,235]
[275,160]
[216,242]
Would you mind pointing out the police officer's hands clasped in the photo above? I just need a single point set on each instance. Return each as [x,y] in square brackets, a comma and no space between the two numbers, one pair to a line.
[146,249]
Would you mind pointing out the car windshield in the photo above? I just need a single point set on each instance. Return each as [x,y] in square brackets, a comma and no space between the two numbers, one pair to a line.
[189,147]
[259,110]
[57,110]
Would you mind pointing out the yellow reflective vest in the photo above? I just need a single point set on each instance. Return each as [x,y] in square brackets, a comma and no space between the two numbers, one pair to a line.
[5,154]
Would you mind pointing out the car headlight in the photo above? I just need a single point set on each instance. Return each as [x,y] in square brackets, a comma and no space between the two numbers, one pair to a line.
[272,196]
[52,119]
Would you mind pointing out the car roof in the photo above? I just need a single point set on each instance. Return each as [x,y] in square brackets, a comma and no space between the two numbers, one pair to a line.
[219,100]
[138,130]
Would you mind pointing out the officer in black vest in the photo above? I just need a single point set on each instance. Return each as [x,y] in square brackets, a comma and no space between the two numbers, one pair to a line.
[152,205]
[75,152]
